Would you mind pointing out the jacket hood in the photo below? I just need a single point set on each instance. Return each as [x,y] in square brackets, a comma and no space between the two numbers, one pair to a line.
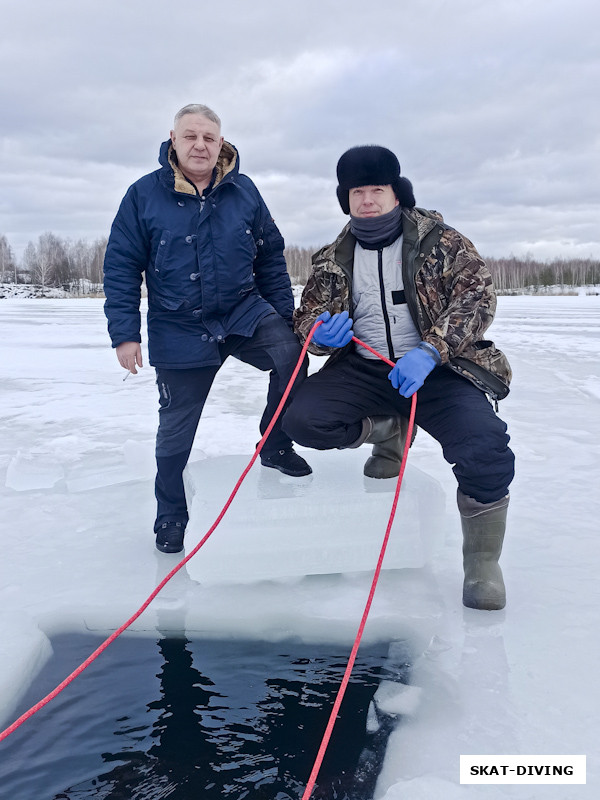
[228,163]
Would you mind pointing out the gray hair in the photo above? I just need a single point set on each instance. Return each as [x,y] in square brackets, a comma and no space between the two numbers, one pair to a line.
[197,108]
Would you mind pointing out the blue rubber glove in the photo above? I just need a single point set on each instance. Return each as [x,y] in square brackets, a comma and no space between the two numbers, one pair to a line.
[410,371]
[335,331]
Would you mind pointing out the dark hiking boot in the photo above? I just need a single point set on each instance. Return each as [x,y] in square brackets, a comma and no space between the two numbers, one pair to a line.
[288,462]
[169,537]
[483,526]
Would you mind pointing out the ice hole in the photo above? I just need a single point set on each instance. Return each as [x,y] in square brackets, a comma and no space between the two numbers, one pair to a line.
[183,718]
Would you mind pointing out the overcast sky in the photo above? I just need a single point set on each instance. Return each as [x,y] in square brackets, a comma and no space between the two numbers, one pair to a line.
[491,107]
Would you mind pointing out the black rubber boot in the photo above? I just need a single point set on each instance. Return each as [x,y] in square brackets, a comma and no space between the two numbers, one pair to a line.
[288,462]
[483,526]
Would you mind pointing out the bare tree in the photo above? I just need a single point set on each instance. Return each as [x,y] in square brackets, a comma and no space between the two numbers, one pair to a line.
[53,252]
[35,271]
[8,264]
[299,262]
[47,261]
[97,262]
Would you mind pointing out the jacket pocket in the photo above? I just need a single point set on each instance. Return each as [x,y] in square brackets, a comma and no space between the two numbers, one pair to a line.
[164,244]
[164,395]
[246,237]
[492,376]
[163,303]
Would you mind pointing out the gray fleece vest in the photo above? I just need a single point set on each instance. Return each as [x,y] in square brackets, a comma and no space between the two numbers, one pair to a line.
[381,316]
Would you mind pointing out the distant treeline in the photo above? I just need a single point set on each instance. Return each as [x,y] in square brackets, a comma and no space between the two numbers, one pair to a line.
[76,266]
[52,262]
[513,273]
[509,274]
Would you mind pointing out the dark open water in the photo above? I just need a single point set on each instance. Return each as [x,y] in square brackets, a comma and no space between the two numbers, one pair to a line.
[197,720]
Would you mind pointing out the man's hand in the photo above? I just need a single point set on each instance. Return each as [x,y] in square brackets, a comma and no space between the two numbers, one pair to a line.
[130,354]
[410,371]
[335,331]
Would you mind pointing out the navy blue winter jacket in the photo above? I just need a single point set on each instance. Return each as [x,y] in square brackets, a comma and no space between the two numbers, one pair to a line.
[214,263]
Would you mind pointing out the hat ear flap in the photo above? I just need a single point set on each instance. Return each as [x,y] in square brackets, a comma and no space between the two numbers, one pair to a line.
[343,197]
[404,192]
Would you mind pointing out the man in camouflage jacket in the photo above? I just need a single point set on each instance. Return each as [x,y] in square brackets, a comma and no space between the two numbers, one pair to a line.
[416,290]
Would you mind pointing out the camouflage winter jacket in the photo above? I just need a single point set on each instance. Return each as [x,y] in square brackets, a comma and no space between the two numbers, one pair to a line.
[448,290]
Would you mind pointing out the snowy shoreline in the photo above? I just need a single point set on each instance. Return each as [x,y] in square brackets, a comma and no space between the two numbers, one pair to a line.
[13,291]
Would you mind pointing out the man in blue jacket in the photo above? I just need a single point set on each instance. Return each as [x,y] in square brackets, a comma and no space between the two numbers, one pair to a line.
[217,286]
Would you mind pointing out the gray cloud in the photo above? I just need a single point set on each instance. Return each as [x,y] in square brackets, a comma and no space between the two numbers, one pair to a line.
[490,108]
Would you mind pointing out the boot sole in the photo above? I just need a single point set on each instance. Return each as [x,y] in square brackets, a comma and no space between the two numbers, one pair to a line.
[294,474]
[483,603]
[374,463]
[168,549]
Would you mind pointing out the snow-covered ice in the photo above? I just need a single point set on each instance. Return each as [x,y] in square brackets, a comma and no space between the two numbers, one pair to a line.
[76,487]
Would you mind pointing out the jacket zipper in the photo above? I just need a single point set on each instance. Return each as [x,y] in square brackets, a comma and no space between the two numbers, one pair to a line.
[410,292]
[386,318]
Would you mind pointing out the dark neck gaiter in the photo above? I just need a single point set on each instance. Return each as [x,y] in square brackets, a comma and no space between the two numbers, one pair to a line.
[374,233]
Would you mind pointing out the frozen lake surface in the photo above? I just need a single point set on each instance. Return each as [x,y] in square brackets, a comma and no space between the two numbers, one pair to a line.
[76,486]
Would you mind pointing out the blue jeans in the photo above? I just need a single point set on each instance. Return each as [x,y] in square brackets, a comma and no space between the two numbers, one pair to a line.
[182,393]
[327,412]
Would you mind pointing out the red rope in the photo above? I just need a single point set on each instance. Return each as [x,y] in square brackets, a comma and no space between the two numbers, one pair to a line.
[340,695]
[370,349]
[342,690]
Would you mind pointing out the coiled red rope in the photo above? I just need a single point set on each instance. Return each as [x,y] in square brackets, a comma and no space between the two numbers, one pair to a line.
[340,695]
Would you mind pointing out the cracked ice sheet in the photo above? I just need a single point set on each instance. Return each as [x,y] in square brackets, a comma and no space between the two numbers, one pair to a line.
[519,681]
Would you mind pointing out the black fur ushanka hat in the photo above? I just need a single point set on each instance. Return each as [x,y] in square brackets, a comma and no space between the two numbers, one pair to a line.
[371,165]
